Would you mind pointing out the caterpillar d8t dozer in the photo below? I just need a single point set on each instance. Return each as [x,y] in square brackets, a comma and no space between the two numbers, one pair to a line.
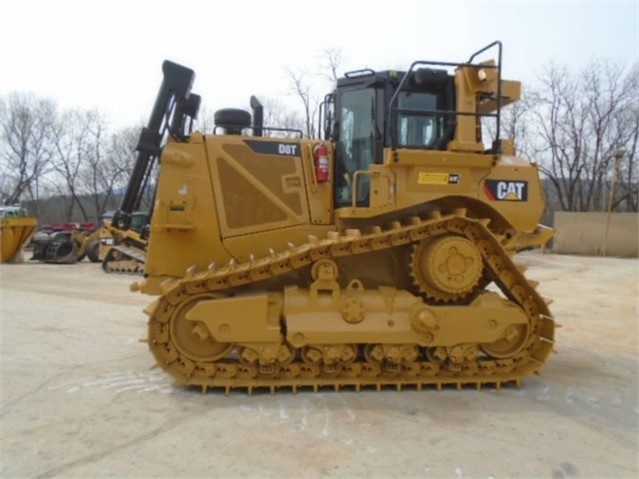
[362,259]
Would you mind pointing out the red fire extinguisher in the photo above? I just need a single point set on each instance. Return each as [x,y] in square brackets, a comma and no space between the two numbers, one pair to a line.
[321,162]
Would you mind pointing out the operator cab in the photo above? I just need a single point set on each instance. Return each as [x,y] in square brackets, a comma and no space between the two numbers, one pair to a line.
[427,107]
[369,114]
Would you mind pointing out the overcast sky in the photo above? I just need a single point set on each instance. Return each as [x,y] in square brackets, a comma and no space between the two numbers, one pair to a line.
[108,54]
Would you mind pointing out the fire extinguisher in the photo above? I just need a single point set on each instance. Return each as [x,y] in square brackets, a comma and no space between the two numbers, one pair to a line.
[320,152]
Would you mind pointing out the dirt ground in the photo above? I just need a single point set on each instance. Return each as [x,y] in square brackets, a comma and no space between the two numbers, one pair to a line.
[79,399]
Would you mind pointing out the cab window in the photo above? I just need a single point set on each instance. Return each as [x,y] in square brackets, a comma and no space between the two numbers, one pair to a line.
[419,129]
[356,143]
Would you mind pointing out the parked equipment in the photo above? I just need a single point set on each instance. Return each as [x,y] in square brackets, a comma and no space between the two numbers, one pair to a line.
[16,229]
[119,251]
[66,243]
[123,251]
[362,259]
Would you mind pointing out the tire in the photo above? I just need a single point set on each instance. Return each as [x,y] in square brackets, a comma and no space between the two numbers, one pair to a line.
[93,252]
[61,251]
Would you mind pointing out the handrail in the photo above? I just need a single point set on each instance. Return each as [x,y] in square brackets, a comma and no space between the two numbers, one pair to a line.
[261,127]
[393,110]
[324,117]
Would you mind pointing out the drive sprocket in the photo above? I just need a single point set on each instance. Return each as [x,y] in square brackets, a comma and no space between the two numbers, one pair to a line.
[447,268]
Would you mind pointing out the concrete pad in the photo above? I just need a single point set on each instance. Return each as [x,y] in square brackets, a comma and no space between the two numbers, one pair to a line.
[78,398]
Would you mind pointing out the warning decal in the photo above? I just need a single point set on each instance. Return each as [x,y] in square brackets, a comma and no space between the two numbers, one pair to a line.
[430,178]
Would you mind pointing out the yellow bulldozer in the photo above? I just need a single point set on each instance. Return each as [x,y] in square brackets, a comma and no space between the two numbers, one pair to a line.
[379,255]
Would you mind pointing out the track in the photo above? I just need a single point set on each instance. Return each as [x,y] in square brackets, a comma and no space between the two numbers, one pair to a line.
[122,259]
[231,373]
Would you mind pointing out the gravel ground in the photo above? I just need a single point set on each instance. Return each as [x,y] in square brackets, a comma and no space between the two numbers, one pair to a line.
[79,399]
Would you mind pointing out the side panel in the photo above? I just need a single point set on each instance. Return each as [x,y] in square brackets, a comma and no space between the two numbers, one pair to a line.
[221,197]
[508,186]
[258,184]
[266,193]
[184,226]
[513,189]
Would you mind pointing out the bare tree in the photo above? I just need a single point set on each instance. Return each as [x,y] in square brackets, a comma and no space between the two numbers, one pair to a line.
[25,145]
[579,122]
[624,128]
[513,126]
[278,115]
[628,187]
[205,120]
[107,162]
[332,60]
[71,138]
[118,165]
[310,91]
[303,87]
